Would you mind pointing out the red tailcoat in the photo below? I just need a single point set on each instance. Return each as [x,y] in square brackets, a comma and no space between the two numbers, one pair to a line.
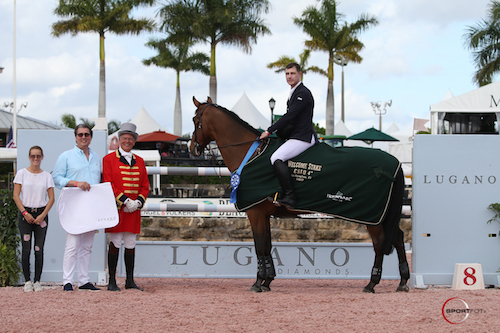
[127,181]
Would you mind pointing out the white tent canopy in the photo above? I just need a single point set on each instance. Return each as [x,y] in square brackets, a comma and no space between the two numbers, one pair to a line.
[144,122]
[341,129]
[245,109]
[482,100]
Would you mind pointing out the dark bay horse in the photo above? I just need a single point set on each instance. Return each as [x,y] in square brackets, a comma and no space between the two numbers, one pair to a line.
[234,137]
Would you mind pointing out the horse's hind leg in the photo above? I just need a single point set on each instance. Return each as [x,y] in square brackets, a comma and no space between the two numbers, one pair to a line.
[404,269]
[377,235]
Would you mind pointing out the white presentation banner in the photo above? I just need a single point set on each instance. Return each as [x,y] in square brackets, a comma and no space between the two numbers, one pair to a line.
[82,211]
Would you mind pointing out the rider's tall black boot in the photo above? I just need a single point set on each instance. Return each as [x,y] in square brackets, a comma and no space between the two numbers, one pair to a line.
[281,170]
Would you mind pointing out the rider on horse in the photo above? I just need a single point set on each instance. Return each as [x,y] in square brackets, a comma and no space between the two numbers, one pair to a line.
[296,126]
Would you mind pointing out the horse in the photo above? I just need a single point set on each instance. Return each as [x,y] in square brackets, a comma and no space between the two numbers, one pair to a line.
[234,137]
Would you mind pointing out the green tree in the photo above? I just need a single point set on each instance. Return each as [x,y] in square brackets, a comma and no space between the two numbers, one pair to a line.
[484,41]
[9,240]
[329,34]
[179,58]
[113,126]
[100,16]
[229,22]
[283,61]
[69,121]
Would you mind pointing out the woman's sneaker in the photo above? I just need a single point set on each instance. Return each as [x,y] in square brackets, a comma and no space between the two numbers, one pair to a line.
[28,286]
[37,286]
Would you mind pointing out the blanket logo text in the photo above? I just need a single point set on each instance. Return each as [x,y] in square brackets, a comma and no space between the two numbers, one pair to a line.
[339,196]
[303,170]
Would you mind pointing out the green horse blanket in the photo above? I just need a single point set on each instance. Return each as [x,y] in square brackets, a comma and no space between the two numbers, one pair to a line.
[350,183]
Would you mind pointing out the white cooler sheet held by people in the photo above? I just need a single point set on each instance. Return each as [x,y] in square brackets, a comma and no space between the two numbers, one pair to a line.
[82,211]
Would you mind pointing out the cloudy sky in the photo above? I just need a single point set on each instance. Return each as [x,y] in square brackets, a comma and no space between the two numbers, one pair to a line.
[413,57]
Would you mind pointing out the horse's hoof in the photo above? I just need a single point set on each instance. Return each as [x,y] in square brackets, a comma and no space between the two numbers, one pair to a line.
[404,288]
[368,290]
[255,289]
[264,288]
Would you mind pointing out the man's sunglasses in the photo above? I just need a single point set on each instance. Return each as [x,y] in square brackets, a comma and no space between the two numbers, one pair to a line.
[82,134]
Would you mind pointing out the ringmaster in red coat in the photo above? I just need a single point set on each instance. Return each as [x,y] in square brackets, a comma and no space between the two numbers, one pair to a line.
[128,176]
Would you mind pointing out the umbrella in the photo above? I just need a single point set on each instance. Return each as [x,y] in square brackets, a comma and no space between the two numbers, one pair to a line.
[370,135]
[157,136]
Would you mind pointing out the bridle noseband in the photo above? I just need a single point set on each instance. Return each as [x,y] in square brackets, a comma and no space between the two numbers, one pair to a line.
[197,147]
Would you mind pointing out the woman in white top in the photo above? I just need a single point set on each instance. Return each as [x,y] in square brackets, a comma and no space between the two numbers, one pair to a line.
[34,196]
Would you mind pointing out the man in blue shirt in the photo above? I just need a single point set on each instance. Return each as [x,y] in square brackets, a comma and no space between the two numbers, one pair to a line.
[78,167]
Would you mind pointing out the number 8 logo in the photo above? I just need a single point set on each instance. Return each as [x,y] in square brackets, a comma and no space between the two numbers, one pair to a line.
[469,276]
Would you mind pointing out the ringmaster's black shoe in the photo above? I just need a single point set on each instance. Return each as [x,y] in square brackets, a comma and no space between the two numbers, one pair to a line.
[89,286]
[112,286]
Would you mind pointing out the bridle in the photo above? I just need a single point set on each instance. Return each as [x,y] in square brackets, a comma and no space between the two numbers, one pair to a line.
[197,126]
[197,147]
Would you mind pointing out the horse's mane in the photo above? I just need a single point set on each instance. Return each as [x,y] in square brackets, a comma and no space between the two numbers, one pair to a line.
[236,118]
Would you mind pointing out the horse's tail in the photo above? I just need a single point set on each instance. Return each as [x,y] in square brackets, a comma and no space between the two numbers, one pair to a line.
[393,216]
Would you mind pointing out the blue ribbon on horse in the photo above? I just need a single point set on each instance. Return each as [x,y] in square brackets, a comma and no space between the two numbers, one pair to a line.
[235,176]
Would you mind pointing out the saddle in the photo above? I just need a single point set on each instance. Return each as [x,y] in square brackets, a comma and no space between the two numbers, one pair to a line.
[351,183]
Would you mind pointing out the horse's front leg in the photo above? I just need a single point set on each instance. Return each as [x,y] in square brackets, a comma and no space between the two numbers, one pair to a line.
[377,235]
[261,228]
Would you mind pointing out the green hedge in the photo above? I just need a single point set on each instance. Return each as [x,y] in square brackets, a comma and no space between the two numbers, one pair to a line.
[9,240]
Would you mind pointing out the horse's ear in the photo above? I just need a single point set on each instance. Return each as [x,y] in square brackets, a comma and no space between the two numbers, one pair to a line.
[196,103]
[209,100]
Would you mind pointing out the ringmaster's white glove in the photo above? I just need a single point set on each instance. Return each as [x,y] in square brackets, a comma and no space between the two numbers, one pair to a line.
[130,206]
[139,203]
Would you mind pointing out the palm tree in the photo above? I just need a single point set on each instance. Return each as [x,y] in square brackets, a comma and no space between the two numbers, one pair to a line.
[180,59]
[113,126]
[69,121]
[328,34]
[283,61]
[484,40]
[229,22]
[100,16]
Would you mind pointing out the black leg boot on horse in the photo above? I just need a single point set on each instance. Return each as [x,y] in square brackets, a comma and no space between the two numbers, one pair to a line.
[281,170]
[113,252]
[129,268]
[265,274]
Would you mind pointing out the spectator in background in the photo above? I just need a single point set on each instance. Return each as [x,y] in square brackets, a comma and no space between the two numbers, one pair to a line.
[78,167]
[34,197]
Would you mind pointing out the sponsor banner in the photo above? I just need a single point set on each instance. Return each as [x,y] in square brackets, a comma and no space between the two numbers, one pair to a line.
[238,260]
[205,201]
[455,179]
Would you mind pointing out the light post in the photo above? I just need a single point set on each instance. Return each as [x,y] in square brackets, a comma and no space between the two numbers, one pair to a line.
[341,61]
[272,104]
[377,108]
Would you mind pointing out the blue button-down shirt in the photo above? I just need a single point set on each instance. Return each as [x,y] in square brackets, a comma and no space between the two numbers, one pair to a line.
[73,165]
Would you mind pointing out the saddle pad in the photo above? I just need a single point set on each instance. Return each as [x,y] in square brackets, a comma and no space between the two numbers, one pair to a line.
[83,211]
[351,183]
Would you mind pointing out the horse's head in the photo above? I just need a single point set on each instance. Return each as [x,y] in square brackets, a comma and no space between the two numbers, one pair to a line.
[199,139]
